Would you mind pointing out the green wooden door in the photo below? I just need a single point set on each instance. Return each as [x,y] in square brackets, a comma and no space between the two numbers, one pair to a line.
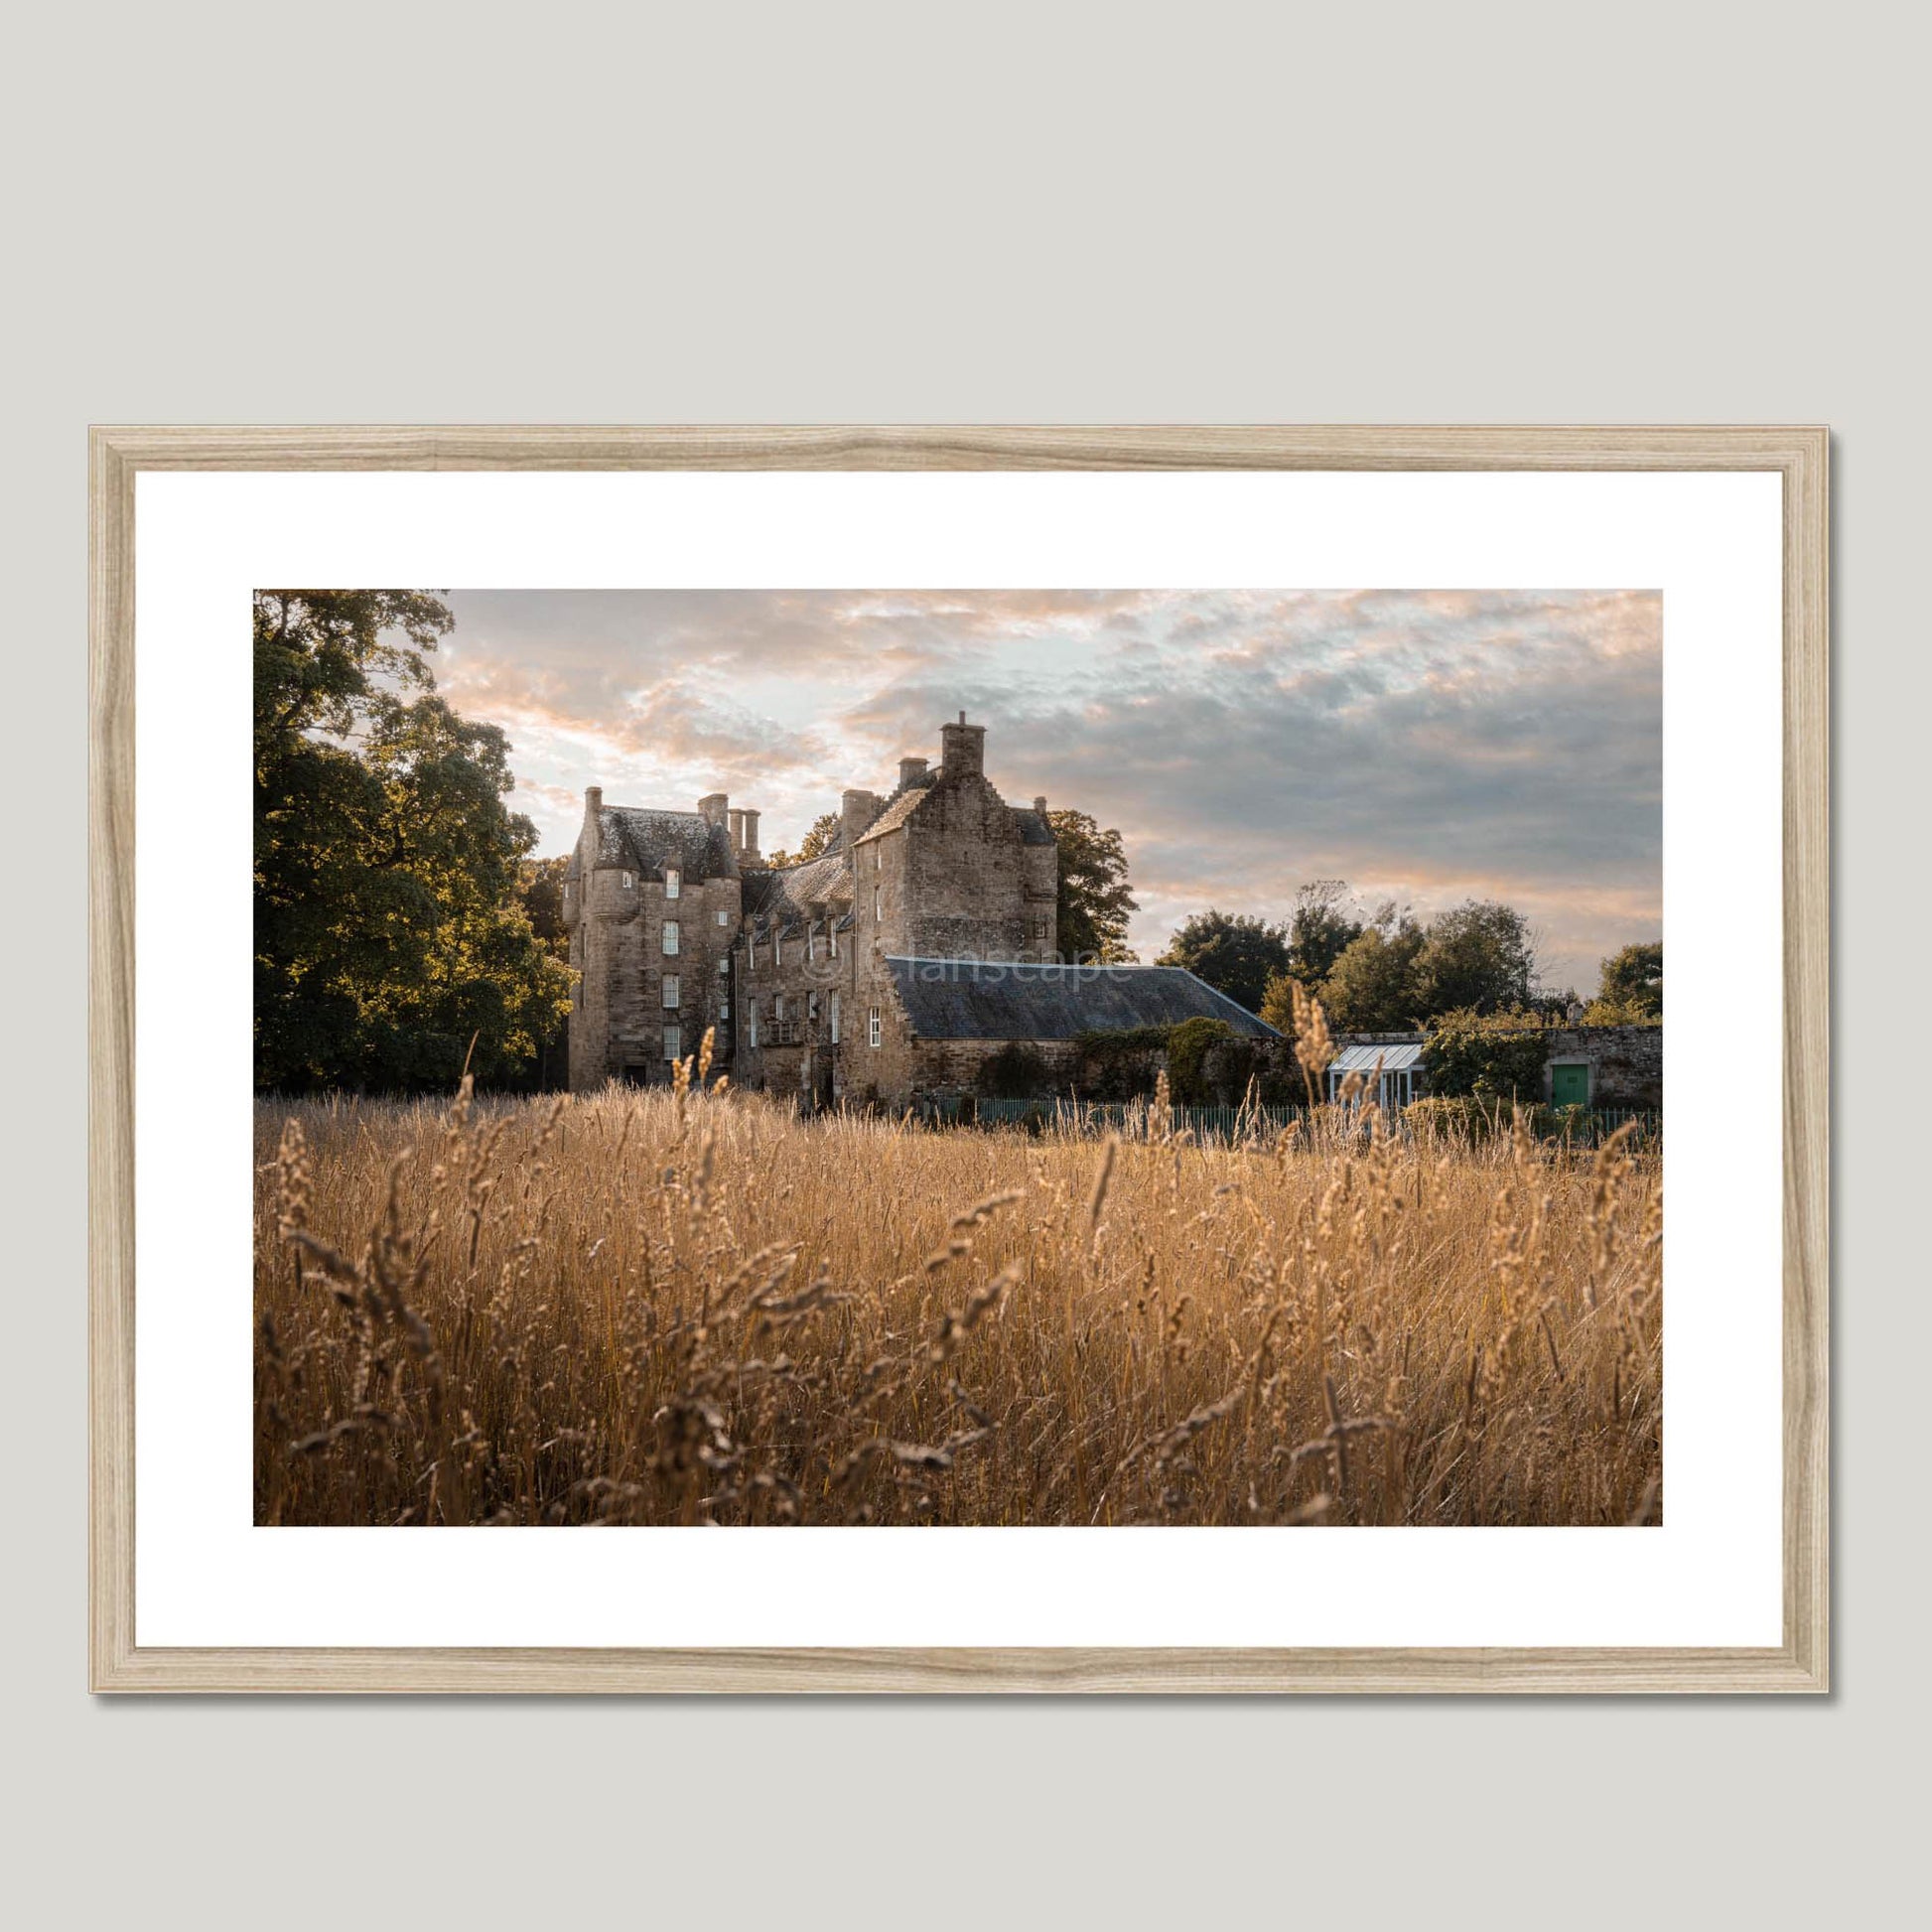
[1569,1086]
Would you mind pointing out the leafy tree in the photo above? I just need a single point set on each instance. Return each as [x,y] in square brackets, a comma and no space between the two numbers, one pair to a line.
[388,927]
[1321,928]
[816,842]
[1479,955]
[1495,1057]
[1095,896]
[540,891]
[1235,953]
[1373,988]
[1278,1002]
[1632,987]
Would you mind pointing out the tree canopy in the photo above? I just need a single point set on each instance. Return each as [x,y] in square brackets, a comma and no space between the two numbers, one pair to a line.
[389,930]
[1373,987]
[1632,989]
[1325,923]
[1095,896]
[1236,953]
[816,842]
[1478,955]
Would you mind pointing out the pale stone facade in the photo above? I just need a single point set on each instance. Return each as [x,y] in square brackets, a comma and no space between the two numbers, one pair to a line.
[788,964]
[884,972]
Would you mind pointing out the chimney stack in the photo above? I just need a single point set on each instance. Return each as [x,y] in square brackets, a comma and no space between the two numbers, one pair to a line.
[911,772]
[593,800]
[748,848]
[857,810]
[713,806]
[962,749]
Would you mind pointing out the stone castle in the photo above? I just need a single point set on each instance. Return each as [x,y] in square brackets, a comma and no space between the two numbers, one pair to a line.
[886,971]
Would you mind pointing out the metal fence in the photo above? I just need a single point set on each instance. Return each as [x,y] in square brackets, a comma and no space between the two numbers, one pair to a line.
[1579,1127]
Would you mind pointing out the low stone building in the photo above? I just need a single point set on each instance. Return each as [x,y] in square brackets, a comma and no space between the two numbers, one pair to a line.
[886,969]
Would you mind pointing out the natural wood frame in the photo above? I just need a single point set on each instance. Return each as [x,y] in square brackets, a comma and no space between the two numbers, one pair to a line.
[1799,453]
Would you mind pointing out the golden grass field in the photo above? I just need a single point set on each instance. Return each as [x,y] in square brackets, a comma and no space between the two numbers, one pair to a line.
[658,1307]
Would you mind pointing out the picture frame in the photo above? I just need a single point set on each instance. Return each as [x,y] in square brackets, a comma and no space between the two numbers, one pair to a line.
[1798,456]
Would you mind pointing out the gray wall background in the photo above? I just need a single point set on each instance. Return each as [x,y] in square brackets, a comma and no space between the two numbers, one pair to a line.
[1478,212]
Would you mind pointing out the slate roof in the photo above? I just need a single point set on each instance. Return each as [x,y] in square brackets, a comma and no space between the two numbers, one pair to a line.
[896,815]
[1033,828]
[975,999]
[799,894]
[649,841]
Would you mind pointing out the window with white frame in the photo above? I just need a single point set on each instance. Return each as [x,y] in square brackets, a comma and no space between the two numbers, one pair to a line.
[833,937]
[777,952]
[777,1009]
[670,938]
[674,882]
[673,1042]
[670,990]
[723,969]
[874,1032]
[626,880]
[811,944]
[752,1019]
[877,915]
[835,1018]
[723,917]
[752,953]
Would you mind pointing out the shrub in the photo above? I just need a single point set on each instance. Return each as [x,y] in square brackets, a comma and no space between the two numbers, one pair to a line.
[1018,1072]
[1187,1048]
[1495,1057]
[1120,1063]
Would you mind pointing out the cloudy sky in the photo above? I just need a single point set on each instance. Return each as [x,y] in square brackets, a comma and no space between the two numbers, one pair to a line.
[1429,746]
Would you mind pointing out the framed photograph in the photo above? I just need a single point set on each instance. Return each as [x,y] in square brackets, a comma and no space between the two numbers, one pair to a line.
[1002,1060]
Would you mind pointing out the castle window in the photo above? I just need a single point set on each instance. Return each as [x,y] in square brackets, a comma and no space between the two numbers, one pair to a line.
[724,1008]
[1040,930]
[627,879]
[673,1043]
[723,969]
[777,1009]
[670,990]
[876,915]
[723,917]
[832,934]
[777,952]
[811,945]
[874,1032]
[754,1026]
[670,937]
[674,882]
[835,1018]
[751,952]
[812,1006]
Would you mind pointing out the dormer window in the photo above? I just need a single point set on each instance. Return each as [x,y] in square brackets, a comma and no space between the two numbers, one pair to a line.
[674,882]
